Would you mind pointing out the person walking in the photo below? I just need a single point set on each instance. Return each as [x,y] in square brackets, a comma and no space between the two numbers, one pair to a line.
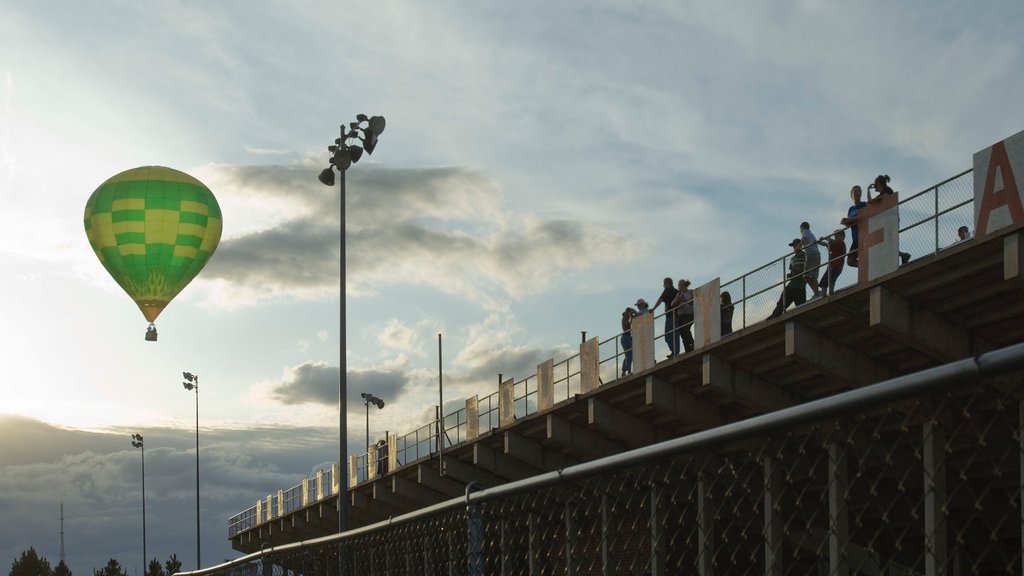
[809,244]
[795,291]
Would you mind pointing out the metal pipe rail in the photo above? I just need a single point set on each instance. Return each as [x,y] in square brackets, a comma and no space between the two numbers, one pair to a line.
[855,403]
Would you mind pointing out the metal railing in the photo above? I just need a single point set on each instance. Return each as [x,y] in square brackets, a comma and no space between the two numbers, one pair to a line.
[920,474]
[929,220]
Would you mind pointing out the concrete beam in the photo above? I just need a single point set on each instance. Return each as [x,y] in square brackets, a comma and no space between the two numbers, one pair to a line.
[376,509]
[579,440]
[415,492]
[466,473]
[826,355]
[619,423]
[532,453]
[723,377]
[384,493]
[500,464]
[917,327]
[430,478]
[667,398]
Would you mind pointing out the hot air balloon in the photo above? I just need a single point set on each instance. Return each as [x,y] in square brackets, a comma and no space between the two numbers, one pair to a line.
[153,229]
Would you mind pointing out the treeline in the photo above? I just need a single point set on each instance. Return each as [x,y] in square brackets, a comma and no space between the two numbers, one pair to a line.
[32,564]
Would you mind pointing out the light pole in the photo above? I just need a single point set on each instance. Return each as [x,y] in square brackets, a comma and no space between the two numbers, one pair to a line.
[192,383]
[137,443]
[365,131]
[370,399]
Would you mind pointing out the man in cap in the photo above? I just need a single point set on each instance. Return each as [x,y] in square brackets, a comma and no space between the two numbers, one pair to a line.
[795,291]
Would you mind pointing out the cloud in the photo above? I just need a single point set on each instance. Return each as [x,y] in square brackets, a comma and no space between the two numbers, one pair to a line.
[317,383]
[446,228]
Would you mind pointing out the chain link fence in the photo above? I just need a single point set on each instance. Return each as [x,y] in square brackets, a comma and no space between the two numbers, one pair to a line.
[917,475]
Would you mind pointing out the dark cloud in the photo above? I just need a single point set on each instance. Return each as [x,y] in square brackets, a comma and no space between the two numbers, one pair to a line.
[443,227]
[317,383]
[97,476]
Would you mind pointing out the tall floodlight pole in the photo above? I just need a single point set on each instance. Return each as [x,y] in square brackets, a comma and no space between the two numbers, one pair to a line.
[137,443]
[346,151]
[192,383]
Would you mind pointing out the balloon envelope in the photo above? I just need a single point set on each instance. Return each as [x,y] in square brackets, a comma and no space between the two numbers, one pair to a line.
[153,229]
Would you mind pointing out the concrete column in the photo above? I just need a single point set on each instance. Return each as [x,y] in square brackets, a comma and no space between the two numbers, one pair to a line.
[472,417]
[545,385]
[305,491]
[707,314]
[506,403]
[642,330]
[590,366]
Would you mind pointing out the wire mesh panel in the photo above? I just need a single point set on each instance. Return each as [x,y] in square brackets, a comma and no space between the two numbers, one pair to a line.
[929,485]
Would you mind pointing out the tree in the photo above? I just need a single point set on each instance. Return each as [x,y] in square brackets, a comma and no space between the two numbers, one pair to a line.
[113,568]
[31,564]
[61,569]
[173,565]
[155,568]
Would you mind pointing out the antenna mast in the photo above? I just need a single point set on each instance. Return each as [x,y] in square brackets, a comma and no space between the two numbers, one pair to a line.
[62,532]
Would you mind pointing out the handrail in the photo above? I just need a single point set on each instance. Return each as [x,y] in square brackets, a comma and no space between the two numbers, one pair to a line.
[751,307]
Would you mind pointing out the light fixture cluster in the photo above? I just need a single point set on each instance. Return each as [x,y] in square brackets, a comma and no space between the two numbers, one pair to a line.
[371,399]
[362,134]
[137,440]
[191,381]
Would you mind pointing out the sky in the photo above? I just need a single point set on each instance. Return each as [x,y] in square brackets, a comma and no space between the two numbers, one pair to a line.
[544,165]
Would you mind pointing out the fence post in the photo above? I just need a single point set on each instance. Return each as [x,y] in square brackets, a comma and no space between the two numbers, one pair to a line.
[534,545]
[570,537]
[705,530]
[839,520]
[658,532]
[935,542]
[772,524]
[475,541]
[506,548]
[606,532]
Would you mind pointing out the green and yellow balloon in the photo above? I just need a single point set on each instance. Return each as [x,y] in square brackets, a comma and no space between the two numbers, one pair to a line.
[153,229]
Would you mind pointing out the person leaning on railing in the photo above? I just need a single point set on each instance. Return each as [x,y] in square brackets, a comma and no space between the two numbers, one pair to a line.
[683,305]
[836,258]
[727,310]
[851,221]
[627,341]
[668,294]
[881,185]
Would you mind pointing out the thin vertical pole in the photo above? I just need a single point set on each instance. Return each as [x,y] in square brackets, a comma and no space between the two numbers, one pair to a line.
[705,530]
[936,220]
[144,555]
[342,371]
[199,563]
[367,429]
[475,541]
[440,410]
[570,538]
